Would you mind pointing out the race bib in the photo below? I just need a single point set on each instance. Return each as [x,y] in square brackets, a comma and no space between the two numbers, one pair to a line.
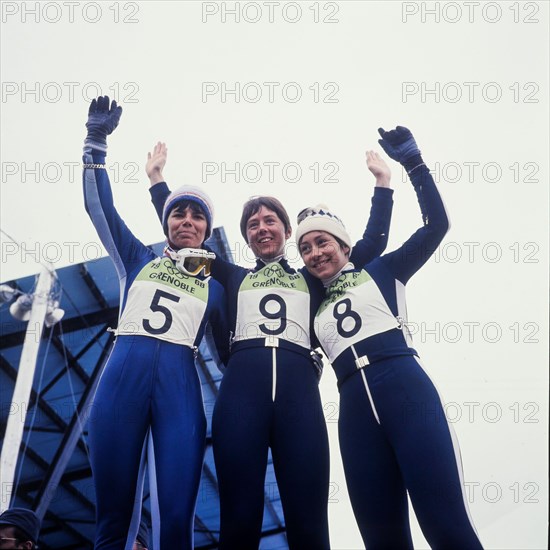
[164,303]
[353,310]
[273,304]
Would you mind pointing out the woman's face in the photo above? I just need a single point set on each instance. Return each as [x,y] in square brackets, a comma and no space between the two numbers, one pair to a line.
[266,235]
[322,254]
[186,228]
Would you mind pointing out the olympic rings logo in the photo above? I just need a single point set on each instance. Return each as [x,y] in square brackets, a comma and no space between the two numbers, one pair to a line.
[173,270]
[276,270]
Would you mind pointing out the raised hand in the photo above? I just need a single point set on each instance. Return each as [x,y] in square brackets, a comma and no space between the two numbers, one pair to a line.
[399,144]
[381,171]
[156,162]
[102,120]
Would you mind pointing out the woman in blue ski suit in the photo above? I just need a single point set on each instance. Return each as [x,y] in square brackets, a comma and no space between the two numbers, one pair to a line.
[394,436]
[269,395]
[149,401]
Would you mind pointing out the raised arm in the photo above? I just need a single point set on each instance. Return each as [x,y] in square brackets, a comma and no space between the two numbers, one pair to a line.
[404,262]
[156,160]
[123,247]
[375,237]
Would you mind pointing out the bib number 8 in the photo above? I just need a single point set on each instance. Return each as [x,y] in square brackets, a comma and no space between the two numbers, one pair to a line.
[157,307]
[280,314]
[347,313]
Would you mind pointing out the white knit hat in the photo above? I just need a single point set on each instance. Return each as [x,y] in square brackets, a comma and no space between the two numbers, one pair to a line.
[193,194]
[320,218]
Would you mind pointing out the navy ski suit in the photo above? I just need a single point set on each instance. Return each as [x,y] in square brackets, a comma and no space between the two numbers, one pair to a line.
[269,396]
[394,436]
[149,401]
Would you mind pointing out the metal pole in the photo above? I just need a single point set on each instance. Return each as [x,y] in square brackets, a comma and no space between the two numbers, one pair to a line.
[23,386]
[45,494]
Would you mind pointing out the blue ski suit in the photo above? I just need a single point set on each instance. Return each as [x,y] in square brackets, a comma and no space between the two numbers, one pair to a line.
[149,403]
[269,395]
[394,436]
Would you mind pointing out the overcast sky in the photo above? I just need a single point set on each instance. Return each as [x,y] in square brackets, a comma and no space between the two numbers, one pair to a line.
[284,98]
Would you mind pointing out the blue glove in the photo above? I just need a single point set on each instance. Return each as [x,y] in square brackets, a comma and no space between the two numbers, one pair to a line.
[102,120]
[399,144]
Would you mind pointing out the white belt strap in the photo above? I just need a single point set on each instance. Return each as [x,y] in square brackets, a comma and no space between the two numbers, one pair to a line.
[360,362]
[271,342]
[363,361]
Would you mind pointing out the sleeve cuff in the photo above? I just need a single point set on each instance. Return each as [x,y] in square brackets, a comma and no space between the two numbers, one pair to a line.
[158,189]
[383,192]
[412,162]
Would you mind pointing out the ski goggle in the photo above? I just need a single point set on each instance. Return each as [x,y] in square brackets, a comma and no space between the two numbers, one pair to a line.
[192,261]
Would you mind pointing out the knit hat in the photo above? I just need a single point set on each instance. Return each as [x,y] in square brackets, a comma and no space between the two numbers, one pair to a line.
[25,520]
[193,194]
[320,218]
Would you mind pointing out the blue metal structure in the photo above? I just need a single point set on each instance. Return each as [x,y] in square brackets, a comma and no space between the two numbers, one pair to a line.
[53,472]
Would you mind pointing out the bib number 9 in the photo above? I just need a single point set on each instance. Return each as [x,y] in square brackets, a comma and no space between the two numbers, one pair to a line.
[157,307]
[279,314]
[346,313]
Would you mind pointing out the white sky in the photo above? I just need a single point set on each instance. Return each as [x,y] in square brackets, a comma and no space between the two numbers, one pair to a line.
[473,91]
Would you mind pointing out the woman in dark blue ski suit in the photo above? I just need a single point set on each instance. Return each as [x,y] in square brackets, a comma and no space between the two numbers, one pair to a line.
[394,436]
[269,395]
[149,401]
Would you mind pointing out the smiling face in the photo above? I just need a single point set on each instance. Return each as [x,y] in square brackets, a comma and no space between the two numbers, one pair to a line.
[266,234]
[186,227]
[323,255]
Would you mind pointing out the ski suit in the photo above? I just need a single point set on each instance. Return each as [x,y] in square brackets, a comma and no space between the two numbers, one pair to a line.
[269,395]
[394,436]
[148,402]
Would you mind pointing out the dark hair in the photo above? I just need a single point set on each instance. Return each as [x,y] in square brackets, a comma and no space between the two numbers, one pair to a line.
[21,536]
[343,245]
[253,205]
[182,205]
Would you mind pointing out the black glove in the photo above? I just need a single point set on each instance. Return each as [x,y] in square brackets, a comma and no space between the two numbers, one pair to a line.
[399,144]
[102,120]
[317,360]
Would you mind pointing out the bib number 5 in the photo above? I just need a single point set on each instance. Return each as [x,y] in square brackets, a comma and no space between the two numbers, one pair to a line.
[156,306]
